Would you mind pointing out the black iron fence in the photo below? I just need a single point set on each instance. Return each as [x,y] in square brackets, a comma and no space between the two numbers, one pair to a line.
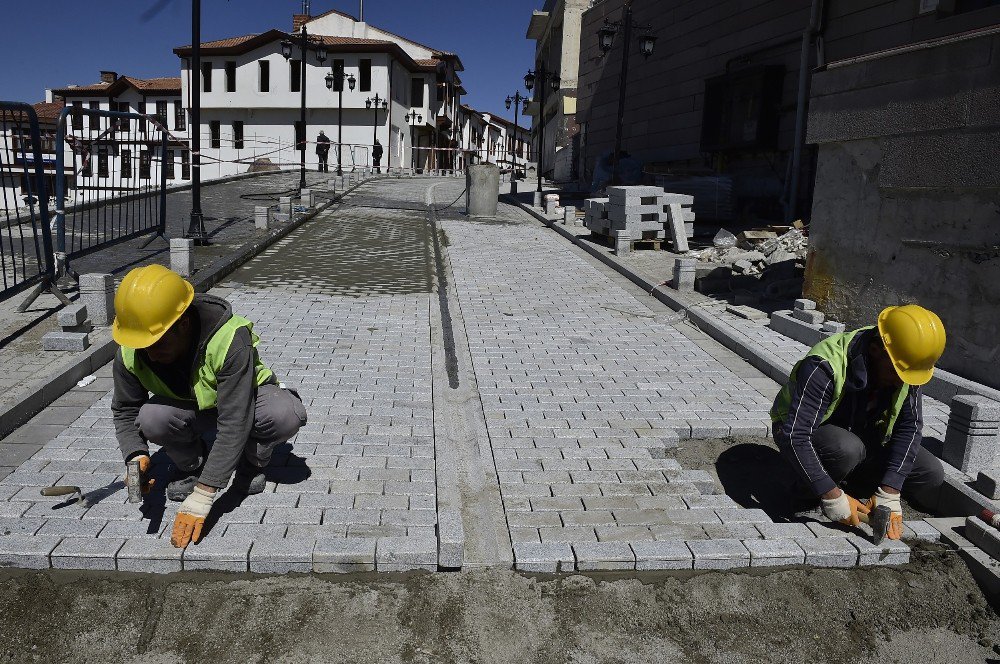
[26,257]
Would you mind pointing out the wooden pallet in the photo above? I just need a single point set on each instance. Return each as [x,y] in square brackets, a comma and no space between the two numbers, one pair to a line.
[608,241]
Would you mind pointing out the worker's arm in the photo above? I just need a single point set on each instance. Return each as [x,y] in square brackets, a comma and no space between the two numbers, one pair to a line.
[811,397]
[129,396]
[237,395]
[905,441]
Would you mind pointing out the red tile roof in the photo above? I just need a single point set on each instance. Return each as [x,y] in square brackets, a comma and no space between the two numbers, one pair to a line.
[166,84]
[48,111]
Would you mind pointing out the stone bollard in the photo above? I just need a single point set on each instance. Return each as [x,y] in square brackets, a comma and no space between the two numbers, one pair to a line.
[306,198]
[537,200]
[684,274]
[971,441]
[482,185]
[285,206]
[551,203]
[569,215]
[97,293]
[182,256]
[261,216]
[623,242]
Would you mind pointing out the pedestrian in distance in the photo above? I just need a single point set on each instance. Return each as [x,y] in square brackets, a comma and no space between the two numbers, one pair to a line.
[187,369]
[323,151]
[377,156]
[849,419]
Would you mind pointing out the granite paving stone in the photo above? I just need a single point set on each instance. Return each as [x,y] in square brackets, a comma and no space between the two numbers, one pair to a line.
[342,555]
[549,558]
[27,551]
[603,556]
[280,556]
[719,554]
[226,554]
[774,552]
[86,553]
[829,551]
[157,556]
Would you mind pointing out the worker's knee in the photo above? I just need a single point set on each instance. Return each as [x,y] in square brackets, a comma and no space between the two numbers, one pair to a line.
[838,446]
[278,416]
[164,424]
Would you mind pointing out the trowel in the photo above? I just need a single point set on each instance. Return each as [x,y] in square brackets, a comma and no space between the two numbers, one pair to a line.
[65,491]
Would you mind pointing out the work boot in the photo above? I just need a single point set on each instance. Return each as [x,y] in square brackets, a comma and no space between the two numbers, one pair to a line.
[183,486]
[249,479]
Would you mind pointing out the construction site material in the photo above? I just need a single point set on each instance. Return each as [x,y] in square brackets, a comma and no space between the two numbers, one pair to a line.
[983,535]
[260,217]
[646,213]
[97,293]
[988,483]
[684,274]
[970,443]
[762,249]
[182,256]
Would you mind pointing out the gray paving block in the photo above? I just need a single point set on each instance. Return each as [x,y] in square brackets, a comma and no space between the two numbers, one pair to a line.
[69,341]
[400,554]
[226,554]
[71,527]
[255,531]
[742,515]
[280,556]
[20,525]
[451,538]
[157,556]
[289,515]
[887,552]
[773,552]
[27,551]
[597,556]
[784,530]
[719,554]
[740,531]
[983,535]
[803,304]
[130,529]
[829,551]
[702,479]
[341,555]
[811,317]
[72,315]
[973,407]
[664,554]
[549,557]
[13,510]
[920,530]
[828,529]
[86,553]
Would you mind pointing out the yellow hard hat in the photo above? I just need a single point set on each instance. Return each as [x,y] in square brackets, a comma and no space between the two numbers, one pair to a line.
[914,338]
[149,300]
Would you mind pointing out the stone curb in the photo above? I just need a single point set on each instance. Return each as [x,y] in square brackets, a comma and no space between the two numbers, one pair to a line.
[42,393]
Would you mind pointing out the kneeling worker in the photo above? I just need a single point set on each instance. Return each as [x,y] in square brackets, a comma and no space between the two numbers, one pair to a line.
[851,414]
[199,361]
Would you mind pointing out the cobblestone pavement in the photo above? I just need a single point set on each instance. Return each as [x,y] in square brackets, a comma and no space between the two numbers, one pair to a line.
[583,390]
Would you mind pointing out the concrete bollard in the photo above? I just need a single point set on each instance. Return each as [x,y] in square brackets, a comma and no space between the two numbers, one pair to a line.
[261,216]
[537,200]
[285,205]
[551,203]
[970,443]
[182,256]
[569,215]
[623,243]
[97,293]
[684,274]
[306,198]
[482,186]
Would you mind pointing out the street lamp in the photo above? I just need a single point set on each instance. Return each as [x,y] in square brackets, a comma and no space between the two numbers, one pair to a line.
[321,55]
[517,100]
[335,81]
[605,40]
[413,119]
[541,75]
[196,227]
[375,103]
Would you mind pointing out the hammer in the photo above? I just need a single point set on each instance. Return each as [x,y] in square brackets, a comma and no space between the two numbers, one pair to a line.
[878,519]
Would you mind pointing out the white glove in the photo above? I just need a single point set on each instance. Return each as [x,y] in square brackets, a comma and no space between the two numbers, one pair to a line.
[191,517]
[890,500]
[837,509]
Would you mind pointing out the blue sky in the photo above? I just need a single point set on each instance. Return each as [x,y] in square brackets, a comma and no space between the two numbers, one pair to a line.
[70,41]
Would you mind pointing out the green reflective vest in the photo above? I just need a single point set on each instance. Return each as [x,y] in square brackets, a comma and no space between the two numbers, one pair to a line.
[205,386]
[833,349]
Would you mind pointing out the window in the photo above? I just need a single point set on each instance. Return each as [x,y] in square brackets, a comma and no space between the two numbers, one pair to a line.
[145,161]
[265,76]
[215,127]
[141,109]
[338,75]
[295,75]
[417,92]
[300,135]
[185,165]
[85,166]
[206,77]
[78,115]
[126,164]
[238,134]
[365,75]
[161,112]
[180,118]
[230,76]
[123,123]
[102,162]
[168,165]
[95,122]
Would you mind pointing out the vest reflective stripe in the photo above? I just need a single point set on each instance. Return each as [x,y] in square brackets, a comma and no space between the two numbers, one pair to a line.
[205,386]
[833,349]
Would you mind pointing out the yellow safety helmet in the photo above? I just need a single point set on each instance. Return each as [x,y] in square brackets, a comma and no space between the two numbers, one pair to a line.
[914,338]
[149,300]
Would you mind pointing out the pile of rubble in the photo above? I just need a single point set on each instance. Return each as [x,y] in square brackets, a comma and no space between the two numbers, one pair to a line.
[752,252]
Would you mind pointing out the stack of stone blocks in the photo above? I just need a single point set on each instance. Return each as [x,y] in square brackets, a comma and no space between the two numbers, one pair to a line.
[641,213]
[973,436]
[804,323]
[74,334]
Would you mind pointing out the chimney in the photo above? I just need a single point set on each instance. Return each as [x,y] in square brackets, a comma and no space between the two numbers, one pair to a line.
[48,95]
[109,76]
[298,20]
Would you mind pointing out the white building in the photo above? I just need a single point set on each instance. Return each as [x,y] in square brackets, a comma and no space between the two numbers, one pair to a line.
[251,98]
[489,138]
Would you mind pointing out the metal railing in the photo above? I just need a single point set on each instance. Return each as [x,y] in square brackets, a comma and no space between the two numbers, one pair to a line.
[111,181]
[26,257]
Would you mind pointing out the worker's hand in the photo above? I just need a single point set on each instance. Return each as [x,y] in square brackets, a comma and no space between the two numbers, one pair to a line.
[844,509]
[891,500]
[145,483]
[191,517]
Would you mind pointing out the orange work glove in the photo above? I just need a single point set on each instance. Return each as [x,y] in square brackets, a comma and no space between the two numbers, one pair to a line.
[890,500]
[144,464]
[845,509]
[191,517]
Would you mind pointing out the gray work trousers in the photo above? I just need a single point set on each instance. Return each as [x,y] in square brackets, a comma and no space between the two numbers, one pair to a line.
[181,430]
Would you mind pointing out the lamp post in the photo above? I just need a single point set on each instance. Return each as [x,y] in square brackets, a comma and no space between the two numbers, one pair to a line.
[543,76]
[605,40]
[517,100]
[335,81]
[413,119]
[196,228]
[286,51]
[374,103]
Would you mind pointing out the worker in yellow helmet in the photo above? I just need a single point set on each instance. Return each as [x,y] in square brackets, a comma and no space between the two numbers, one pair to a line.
[188,368]
[850,417]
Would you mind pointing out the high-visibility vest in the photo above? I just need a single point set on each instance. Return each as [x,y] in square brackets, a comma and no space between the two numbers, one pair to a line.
[833,349]
[205,387]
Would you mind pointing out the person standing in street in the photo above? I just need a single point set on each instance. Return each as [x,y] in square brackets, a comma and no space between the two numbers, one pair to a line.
[849,420]
[323,151]
[188,371]
[377,156]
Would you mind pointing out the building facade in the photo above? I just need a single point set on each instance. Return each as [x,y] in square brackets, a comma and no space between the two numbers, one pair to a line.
[491,139]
